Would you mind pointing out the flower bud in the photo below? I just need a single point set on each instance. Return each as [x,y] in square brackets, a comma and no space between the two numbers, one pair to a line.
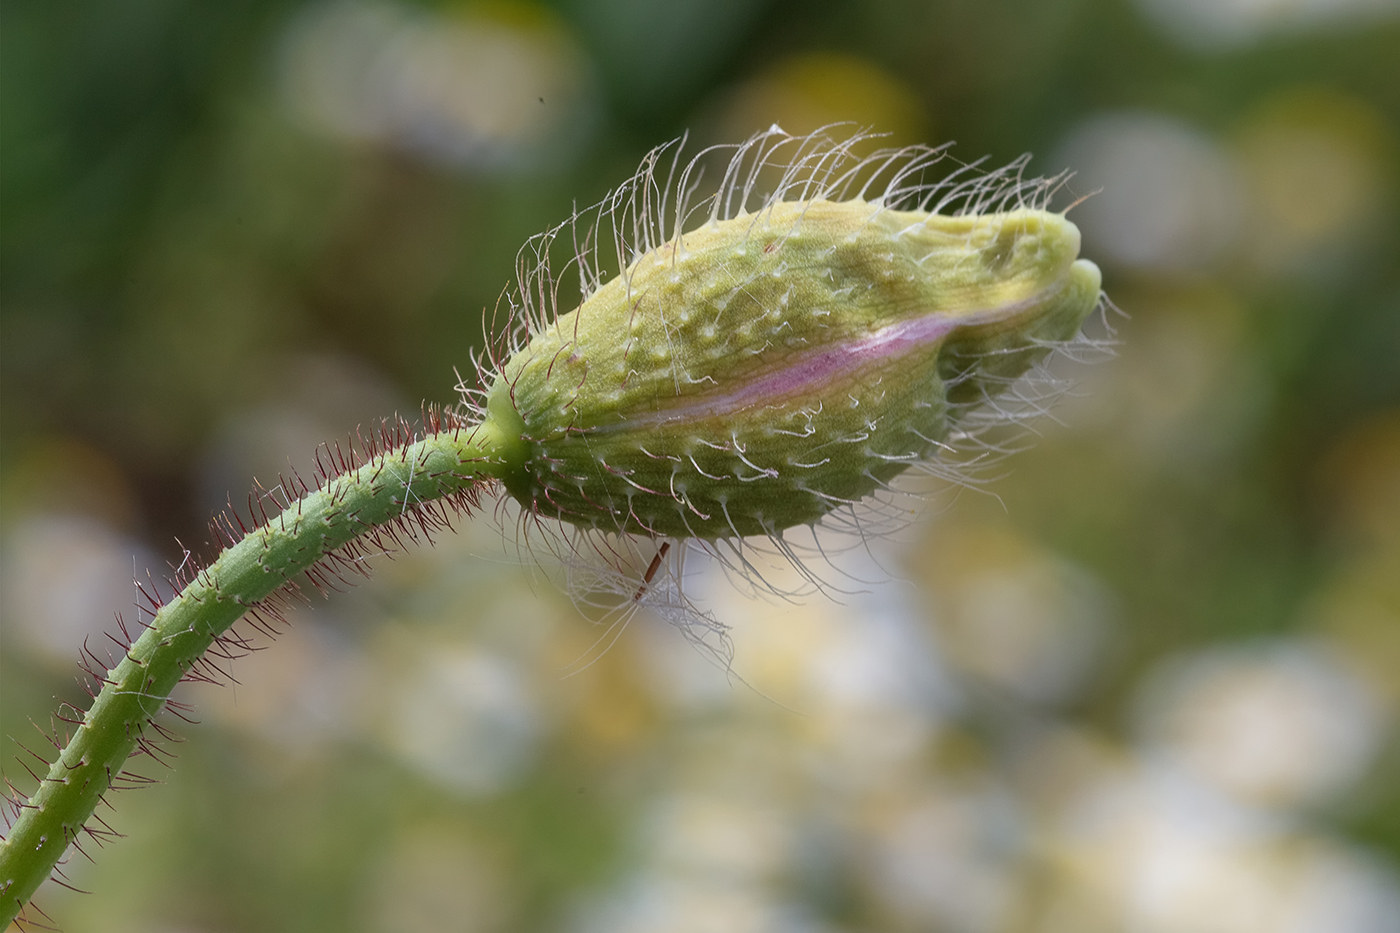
[762,370]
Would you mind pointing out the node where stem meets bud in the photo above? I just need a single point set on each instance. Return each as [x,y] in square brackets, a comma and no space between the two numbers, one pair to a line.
[756,372]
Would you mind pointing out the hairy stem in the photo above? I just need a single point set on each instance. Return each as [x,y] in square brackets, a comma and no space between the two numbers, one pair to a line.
[387,488]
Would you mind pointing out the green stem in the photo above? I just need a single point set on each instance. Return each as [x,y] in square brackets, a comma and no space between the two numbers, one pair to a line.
[385,489]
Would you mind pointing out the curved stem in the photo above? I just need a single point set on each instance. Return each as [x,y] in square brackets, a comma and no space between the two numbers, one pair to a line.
[387,488]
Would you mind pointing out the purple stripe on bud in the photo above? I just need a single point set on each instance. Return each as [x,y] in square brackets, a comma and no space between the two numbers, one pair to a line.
[811,374]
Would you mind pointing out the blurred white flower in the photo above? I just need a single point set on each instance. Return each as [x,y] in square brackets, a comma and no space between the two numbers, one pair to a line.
[457,87]
[309,690]
[64,575]
[1214,24]
[1013,615]
[720,836]
[859,645]
[1282,724]
[949,861]
[1185,883]
[1150,853]
[1168,198]
[658,903]
[1034,631]
[467,719]
[716,847]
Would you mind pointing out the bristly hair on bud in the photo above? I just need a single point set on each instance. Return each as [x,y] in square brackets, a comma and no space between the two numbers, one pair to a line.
[750,365]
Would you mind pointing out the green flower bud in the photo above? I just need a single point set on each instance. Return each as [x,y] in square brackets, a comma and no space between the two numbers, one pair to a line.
[755,373]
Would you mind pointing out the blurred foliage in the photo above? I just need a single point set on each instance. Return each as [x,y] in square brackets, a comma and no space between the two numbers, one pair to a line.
[231,231]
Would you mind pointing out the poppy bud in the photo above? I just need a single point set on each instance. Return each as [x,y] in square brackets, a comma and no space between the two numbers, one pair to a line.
[759,371]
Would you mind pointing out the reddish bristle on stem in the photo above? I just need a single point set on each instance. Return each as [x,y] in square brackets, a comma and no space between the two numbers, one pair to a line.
[376,492]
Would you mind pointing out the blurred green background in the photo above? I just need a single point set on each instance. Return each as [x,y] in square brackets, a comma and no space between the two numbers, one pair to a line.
[1150,685]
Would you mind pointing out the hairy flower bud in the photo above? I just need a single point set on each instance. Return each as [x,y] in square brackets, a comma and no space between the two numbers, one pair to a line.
[755,373]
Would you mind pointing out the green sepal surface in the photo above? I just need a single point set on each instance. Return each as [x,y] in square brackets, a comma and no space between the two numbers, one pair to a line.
[699,393]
